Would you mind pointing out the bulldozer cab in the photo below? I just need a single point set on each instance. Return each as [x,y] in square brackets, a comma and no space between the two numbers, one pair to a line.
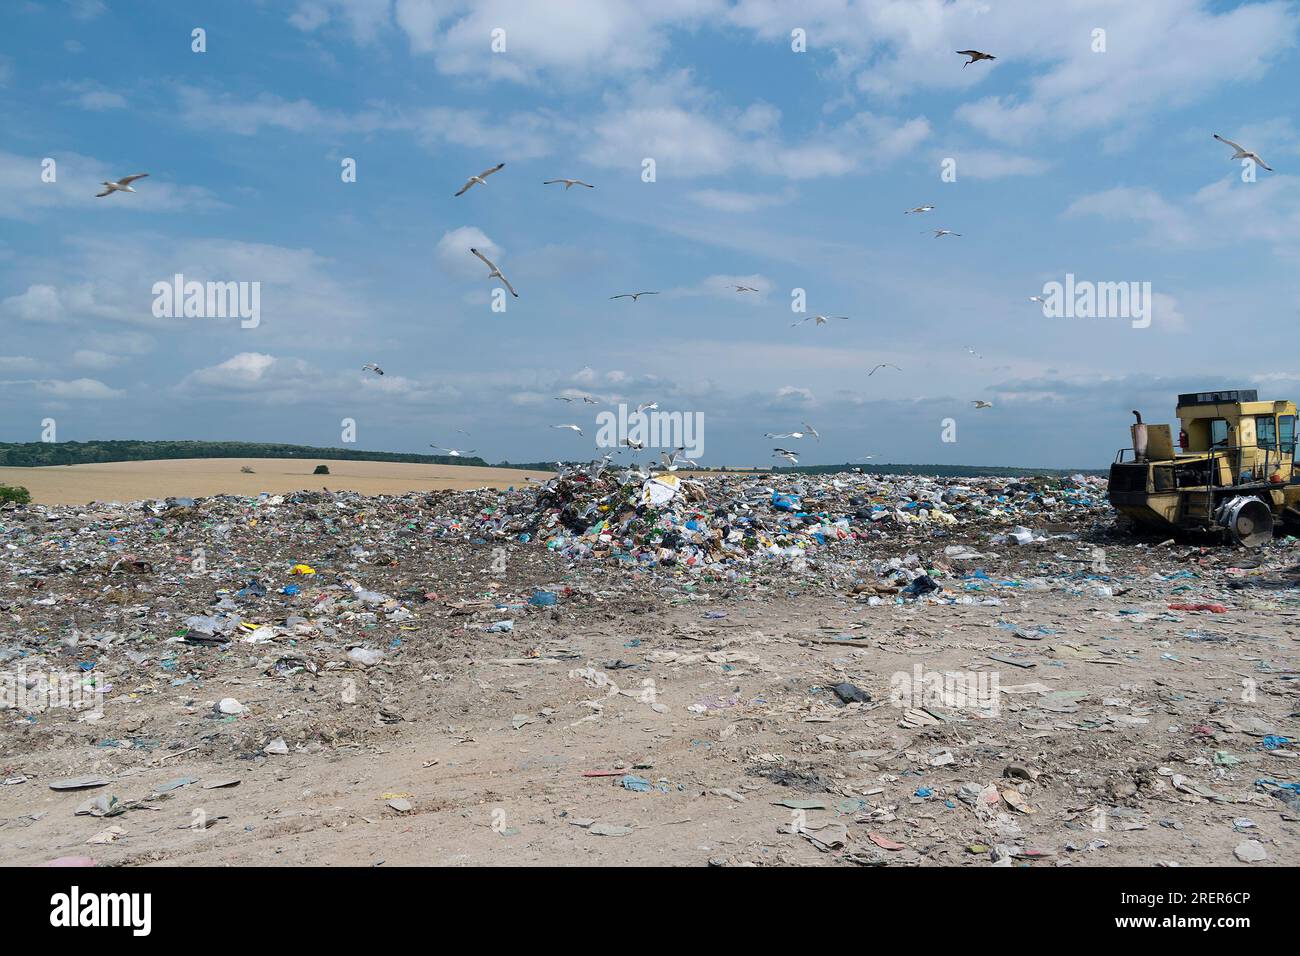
[1233,468]
[1246,440]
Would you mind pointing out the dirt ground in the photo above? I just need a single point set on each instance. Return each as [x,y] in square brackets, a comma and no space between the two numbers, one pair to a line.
[195,477]
[1121,732]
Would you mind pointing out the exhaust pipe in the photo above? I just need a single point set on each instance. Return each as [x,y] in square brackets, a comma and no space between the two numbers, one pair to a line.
[1139,438]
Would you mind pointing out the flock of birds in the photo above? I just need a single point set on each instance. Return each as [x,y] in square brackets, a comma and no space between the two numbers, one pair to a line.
[674,460]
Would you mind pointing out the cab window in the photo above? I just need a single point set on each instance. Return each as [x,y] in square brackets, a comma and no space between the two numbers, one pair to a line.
[1286,433]
[1265,432]
[1218,433]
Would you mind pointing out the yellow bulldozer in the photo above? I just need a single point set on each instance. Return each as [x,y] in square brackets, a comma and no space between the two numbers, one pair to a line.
[1231,475]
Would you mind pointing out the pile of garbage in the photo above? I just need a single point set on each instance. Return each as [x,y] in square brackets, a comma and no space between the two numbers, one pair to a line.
[666,520]
[724,523]
[273,569]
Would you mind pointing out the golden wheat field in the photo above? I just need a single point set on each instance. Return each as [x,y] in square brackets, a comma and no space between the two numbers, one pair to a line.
[196,477]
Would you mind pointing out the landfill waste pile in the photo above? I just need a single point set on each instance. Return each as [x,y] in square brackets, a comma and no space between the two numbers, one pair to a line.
[620,667]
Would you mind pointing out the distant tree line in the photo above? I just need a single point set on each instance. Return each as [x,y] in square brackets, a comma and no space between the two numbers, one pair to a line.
[36,453]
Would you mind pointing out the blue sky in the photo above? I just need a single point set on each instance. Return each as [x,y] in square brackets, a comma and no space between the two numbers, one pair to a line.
[774,169]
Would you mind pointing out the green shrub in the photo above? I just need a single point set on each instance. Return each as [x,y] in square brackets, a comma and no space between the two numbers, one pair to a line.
[322,470]
[15,493]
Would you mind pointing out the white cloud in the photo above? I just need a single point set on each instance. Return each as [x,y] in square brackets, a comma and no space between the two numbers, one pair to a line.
[1167,222]
[99,281]
[225,112]
[568,42]
[452,253]
[90,358]
[50,304]
[101,100]
[1159,55]
[1224,212]
[791,394]
[364,18]
[18,363]
[91,96]
[687,134]
[87,9]
[992,164]
[723,200]
[79,388]
[26,195]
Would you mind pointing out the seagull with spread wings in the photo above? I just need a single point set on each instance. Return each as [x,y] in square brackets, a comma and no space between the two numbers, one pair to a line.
[495,273]
[926,208]
[883,365]
[573,428]
[568,183]
[1243,153]
[819,319]
[975,57]
[372,367]
[480,179]
[453,452]
[632,295]
[123,185]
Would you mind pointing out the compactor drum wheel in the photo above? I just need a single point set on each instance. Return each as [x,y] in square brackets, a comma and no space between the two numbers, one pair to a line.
[1248,521]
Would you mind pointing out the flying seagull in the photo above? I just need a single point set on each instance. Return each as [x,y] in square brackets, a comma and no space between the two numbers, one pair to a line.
[973,352]
[927,208]
[588,400]
[784,435]
[647,406]
[632,295]
[123,185]
[940,233]
[453,452]
[808,429]
[495,273]
[979,403]
[570,427]
[372,367]
[480,179]
[568,183]
[819,319]
[1040,299]
[883,365]
[634,445]
[975,57]
[676,459]
[563,398]
[1241,153]
[744,288]
[789,456]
